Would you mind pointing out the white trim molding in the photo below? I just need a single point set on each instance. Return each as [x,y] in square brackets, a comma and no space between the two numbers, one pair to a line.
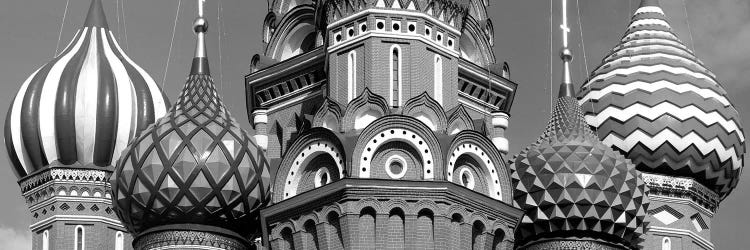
[702,242]
[75,218]
[394,12]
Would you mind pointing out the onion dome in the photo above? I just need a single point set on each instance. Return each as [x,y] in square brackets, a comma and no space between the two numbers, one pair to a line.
[571,185]
[655,102]
[83,106]
[193,166]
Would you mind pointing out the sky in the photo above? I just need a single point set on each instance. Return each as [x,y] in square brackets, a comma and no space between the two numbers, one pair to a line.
[717,30]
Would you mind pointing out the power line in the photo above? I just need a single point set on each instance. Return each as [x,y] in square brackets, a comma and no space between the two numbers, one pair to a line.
[171,43]
[62,24]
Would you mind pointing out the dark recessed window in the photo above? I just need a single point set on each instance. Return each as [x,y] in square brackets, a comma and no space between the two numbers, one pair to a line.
[363,27]
[412,27]
[396,26]
[450,42]
[427,31]
[439,37]
[380,25]
[351,32]
[338,37]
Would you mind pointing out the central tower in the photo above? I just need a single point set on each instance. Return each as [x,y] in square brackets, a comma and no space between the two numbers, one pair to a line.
[383,121]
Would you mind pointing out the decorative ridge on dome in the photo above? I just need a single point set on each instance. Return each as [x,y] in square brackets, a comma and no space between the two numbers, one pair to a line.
[96,17]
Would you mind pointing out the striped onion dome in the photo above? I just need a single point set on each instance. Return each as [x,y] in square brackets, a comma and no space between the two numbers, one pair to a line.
[193,166]
[655,102]
[83,106]
[571,185]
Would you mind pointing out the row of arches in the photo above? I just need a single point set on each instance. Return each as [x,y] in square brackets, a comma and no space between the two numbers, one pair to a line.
[393,224]
[393,147]
[363,110]
[49,192]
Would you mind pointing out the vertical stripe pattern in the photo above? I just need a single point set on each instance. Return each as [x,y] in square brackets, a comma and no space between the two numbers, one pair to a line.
[82,107]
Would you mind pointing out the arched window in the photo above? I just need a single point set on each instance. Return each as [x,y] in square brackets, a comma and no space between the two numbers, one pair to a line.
[287,239]
[425,228]
[335,224]
[80,238]
[310,235]
[352,74]
[438,72]
[666,244]
[395,76]
[396,229]
[367,228]
[119,241]
[477,239]
[45,240]
[455,229]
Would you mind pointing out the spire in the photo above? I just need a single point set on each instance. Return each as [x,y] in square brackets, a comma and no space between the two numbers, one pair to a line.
[647,3]
[96,17]
[200,26]
[566,87]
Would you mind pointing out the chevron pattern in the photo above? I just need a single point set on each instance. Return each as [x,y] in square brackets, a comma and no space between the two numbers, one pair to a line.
[655,102]
[570,183]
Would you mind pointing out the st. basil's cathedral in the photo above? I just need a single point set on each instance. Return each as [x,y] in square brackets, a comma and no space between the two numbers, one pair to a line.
[376,124]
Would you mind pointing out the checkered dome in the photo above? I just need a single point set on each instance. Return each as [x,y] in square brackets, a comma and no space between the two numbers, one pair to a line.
[195,165]
[572,185]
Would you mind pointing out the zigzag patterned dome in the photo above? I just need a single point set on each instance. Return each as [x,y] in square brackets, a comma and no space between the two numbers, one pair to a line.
[83,106]
[194,166]
[655,102]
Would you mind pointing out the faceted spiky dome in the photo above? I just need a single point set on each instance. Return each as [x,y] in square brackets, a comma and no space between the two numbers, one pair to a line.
[572,185]
[194,166]
[82,107]
[655,102]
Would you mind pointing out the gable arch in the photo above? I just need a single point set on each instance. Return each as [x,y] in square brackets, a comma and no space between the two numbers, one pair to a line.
[328,116]
[363,110]
[295,34]
[474,44]
[426,110]
[397,128]
[481,149]
[459,120]
[309,146]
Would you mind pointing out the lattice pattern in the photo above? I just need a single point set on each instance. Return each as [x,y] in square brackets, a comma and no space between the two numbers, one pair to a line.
[654,101]
[570,183]
[193,166]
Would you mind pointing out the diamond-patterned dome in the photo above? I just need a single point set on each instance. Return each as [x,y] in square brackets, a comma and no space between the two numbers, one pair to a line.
[195,165]
[658,104]
[571,184]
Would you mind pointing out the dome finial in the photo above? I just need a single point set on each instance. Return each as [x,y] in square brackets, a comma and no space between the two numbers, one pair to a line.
[200,26]
[96,17]
[566,87]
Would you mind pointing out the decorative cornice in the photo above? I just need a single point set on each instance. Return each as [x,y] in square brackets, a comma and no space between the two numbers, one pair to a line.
[571,244]
[64,174]
[78,218]
[697,239]
[679,187]
[186,239]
